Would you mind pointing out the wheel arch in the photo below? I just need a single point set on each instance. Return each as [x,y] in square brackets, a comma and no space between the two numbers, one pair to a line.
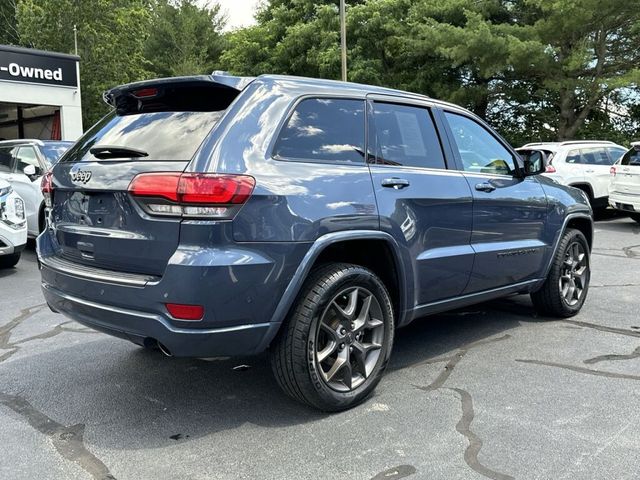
[348,247]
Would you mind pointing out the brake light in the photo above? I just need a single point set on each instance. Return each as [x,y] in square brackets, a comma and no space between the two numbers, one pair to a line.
[550,169]
[180,311]
[145,92]
[46,186]
[612,171]
[192,194]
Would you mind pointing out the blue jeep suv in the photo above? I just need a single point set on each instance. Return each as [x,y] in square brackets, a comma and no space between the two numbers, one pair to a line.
[219,215]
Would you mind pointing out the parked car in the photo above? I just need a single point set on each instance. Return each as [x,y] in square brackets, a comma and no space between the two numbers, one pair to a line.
[22,164]
[219,215]
[581,164]
[624,191]
[13,226]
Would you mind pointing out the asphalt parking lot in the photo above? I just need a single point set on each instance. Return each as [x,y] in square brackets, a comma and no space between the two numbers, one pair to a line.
[489,392]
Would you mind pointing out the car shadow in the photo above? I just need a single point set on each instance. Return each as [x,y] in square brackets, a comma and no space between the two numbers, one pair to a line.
[109,382]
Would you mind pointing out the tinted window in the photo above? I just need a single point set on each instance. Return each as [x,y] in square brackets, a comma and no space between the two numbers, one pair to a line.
[615,153]
[632,157]
[6,159]
[405,136]
[595,156]
[53,151]
[324,129]
[480,151]
[27,156]
[574,157]
[163,135]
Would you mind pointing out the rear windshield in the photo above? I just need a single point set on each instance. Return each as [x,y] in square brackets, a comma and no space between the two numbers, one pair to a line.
[164,136]
[632,157]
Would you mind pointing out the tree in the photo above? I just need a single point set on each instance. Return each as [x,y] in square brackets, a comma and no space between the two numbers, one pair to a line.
[111,37]
[8,30]
[185,39]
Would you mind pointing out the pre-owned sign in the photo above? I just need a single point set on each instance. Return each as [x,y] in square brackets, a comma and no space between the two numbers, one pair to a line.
[35,66]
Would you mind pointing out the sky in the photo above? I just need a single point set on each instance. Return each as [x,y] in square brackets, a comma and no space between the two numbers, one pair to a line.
[239,12]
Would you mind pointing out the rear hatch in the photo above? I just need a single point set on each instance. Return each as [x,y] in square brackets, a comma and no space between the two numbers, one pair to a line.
[157,126]
[626,180]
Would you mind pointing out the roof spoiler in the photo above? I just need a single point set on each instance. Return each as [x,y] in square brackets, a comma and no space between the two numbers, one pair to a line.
[196,93]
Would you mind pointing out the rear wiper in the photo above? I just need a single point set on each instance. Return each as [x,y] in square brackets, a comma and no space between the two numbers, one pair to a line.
[115,151]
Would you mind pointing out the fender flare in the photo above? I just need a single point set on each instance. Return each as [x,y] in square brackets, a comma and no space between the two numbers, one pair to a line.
[405,283]
[556,243]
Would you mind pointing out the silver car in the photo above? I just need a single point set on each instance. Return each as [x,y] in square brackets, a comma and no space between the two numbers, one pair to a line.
[22,164]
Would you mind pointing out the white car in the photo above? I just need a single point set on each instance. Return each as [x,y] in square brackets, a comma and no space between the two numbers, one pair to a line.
[22,164]
[624,190]
[581,164]
[13,226]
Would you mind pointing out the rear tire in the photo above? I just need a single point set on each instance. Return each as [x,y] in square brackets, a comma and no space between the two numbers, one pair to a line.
[9,261]
[335,345]
[565,289]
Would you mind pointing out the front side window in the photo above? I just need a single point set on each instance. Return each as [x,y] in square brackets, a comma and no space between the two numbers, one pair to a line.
[405,135]
[480,151]
[6,159]
[27,156]
[324,129]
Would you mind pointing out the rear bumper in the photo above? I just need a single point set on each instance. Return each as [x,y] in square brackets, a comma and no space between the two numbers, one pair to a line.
[239,286]
[137,326]
[622,201]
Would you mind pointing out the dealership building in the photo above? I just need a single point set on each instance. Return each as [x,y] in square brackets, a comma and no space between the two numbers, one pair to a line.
[39,95]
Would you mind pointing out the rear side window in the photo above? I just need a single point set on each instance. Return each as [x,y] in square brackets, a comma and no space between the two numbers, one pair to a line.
[6,159]
[632,157]
[324,129]
[615,153]
[161,135]
[595,156]
[405,135]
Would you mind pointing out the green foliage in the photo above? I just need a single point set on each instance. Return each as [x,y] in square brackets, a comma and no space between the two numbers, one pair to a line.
[8,30]
[184,38]
[111,36]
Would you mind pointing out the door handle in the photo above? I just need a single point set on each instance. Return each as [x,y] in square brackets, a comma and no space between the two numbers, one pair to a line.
[589,171]
[485,187]
[397,183]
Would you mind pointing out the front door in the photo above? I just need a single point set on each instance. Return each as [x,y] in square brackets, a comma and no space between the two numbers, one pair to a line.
[509,212]
[424,206]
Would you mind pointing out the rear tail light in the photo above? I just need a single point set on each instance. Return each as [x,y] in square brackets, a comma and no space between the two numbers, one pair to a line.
[180,311]
[550,169]
[46,186]
[612,171]
[192,194]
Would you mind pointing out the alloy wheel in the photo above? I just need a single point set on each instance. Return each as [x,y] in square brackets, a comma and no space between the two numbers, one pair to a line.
[574,275]
[349,339]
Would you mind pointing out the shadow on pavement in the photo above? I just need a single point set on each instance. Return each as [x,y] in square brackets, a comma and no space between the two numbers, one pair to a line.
[146,400]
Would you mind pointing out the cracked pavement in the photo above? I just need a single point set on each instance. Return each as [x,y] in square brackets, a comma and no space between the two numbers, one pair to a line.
[489,392]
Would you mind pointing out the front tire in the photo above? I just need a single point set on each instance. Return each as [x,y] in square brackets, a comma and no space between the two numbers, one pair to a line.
[565,289]
[636,217]
[9,261]
[335,345]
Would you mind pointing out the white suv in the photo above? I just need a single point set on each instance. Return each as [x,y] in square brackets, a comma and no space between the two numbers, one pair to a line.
[582,164]
[13,226]
[624,190]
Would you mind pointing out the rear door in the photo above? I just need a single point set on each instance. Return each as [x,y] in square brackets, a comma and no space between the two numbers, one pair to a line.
[424,206]
[155,128]
[509,212]
[597,165]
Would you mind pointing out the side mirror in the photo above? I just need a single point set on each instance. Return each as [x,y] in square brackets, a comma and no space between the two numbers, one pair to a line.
[30,171]
[534,163]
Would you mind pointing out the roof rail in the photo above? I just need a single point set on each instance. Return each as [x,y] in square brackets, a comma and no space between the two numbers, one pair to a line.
[534,144]
[576,142]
